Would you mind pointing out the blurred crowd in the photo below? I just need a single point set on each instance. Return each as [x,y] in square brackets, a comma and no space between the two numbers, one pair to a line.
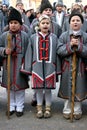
[30,16]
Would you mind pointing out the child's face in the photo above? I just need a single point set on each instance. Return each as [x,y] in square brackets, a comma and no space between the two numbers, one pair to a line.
[44,26]
[47,12]
[14,25]
[75,23]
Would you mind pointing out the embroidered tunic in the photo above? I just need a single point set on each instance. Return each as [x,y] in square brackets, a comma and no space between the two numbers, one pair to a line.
[41,61]
[65,51]
[19,44]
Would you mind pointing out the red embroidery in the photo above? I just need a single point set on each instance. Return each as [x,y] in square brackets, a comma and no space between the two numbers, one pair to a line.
[65,65]
[37,82]
[50,81]
[82,68]
[44,49]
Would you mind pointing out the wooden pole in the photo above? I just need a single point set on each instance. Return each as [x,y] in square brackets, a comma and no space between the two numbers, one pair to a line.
[8,74]
[73,83]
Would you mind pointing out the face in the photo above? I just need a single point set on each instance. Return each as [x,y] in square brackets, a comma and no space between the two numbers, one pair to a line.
[4,8]
[38,15]
[59,8]
[14,25]
[28,14]
[44,26]
[47,12]
[20,7]
[75,23]
[77,7]
[32,11]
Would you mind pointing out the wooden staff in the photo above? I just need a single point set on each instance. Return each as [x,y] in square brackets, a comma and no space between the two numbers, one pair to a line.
[8,74]
[73,83]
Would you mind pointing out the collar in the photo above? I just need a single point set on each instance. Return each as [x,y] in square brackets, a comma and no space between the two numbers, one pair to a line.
[14,33]
[76,33]
[44,36]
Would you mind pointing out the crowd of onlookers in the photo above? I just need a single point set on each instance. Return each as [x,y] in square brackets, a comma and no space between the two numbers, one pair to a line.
[29,16]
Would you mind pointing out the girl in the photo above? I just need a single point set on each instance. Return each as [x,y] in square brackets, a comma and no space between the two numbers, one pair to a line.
[41,62]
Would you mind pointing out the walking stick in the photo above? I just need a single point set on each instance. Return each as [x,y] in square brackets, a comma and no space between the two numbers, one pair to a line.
[73,83]
[8,74]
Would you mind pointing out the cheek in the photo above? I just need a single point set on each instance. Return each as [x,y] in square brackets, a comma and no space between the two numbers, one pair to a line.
[49,26]
[79,25]
[40,27]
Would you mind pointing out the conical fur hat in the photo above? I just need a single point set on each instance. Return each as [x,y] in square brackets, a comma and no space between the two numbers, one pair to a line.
[45,4]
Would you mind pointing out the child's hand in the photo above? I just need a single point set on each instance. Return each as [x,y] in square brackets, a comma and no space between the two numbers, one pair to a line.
[8,51]
[74,41]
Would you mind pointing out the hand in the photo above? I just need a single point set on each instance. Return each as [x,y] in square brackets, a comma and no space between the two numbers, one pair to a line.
[74,41]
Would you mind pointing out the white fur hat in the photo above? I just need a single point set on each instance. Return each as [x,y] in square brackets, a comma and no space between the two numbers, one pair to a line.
[44,17]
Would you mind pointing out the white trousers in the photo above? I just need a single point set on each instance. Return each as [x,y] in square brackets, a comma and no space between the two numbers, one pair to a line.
[67,107]
[47,95]
[17,99]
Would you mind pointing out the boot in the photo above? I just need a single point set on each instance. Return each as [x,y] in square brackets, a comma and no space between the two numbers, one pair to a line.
[67,109]
[77,116]
[39,111]
[77,111]
[47,113]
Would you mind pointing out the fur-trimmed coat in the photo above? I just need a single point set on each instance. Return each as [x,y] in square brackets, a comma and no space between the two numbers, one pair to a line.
[18,81]
[66,52]
[41,61]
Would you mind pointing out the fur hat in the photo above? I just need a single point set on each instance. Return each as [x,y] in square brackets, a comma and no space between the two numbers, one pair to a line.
[19,2]
[15,15]
[45,4]
[74,13]
[59,3]
[77,1]
[44,17]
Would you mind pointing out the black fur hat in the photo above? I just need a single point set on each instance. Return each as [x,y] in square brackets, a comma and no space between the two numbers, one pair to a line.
[15,15]
[76,13]
[45,4]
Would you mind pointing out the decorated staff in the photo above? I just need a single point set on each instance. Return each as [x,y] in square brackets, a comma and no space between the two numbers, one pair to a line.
[8,69]
[73,78]
[74,63]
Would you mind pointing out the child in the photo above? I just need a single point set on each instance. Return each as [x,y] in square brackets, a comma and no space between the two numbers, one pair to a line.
[19,42]
[40,61]
[46,8]
[74,37]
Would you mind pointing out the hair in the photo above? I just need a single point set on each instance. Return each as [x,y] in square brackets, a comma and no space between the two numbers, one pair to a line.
[76,13]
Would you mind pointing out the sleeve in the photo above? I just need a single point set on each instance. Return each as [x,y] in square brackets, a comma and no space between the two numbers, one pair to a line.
[27,66]
[2,45]
[64,48]
[82,48]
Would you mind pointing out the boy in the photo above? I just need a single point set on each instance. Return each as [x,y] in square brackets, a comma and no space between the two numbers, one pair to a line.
[19,42]
[75,37]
